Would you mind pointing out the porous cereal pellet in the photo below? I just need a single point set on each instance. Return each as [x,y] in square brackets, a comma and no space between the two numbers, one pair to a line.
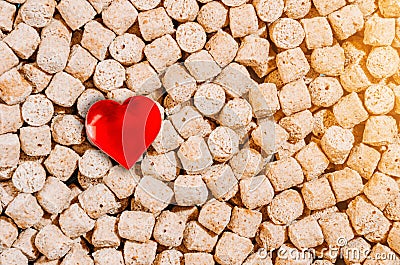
[190,190]
[74,222]
[202,66]
[379,31]
[109,74]
[246,163]
[153,194]
[355,78]
[38,13]
[139,253]
[136,225]
[194,154]
[318,194]
[215,215]
[271,236]
[182,10]
[53,52]
[35,141]
[68,10]
[198,258]
[37,77]
[334,55]
[222,47]
[349,111]
[380,130]
[346,183]
[223,143]
[296,256]
[325,91]
[178,83]
[67,129]
[190,37]
[168,138]
[364,160]
[256,191]
[23,40]
[119,16]
[37,110]
[305,233]
[142,79]
[269,10]
[197,238]
[325,8]
[64,89]
[55,196]
[81,63]
[383,62]
[253,51]
[318,32]
[29,177]
[336,228]
[10,118]
[209,99]
[162,52]
[221,181]
[361,246]
[105,233]
[121,94]
[52,243]
[389,8]
[388,164]
[121,182]
[381,189]
[244,222]
[7,15]
[298,125]
[127,49]
[285,174]
[213,16]
[168,229]
[379,99]
[286,33]
[164,167]
[337,144]
[96,39]
[285,207]
[292,65]
[8,233]
[232,249]
[294,97]
[312,160]
[14,88]
[236,113]
[24,210]
[106,256]
[86,100]
[239,26]
[346,21]
[26,243]
[13,256]
[9,58]
[360,212]
[97,201]
[155,23]
[235,79]
[296,10]
[264,100]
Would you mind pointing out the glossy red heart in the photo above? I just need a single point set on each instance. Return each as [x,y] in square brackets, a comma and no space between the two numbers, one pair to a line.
[123,131]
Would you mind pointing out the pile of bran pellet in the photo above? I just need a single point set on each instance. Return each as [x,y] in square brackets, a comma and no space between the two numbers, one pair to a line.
[279,142]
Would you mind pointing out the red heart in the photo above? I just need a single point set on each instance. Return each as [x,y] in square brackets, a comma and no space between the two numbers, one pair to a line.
[123,131]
